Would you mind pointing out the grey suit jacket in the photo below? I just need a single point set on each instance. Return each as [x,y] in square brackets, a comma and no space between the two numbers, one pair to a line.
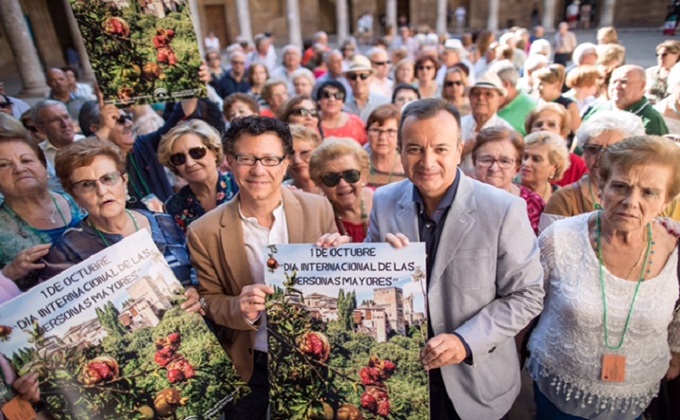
[486,285]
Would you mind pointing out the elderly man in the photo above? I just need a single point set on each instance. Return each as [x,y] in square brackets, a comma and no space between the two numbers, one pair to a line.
[516,104]
[381,64]
[264,52]
[627,93]
[486,96]
[333,60]
[227,248]
[363,101]
[565,43]
[233,81]
[320,38]
[484,276]
[60,90]
[290,62]
[452,54]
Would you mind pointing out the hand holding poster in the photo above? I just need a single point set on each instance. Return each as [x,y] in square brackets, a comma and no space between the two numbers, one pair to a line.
[346,326]
[109,341]
[142,51]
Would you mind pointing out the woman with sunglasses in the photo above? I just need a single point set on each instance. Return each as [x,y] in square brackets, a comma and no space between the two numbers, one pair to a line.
[454,90]
[300,110]
[32,217]
[334,121]
[426,77]
[193,150]
[93,172]
[339,166]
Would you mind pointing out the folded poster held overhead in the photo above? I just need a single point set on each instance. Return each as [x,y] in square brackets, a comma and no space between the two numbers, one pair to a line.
[109,341]
[346,326]
[142,51]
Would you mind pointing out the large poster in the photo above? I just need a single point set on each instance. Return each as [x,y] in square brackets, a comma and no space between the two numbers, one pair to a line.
[142,51]
[346,326]
[109,340]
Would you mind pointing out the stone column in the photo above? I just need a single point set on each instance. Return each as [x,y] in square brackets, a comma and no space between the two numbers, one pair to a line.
[86,72]
[391,13]
[294,32]
[440,26]
[607,15]
[549,15]
[342,20]
[243,13]
[492,22]
[24,51]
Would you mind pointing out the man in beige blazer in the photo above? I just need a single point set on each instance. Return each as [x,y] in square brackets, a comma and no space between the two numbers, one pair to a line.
[227,247]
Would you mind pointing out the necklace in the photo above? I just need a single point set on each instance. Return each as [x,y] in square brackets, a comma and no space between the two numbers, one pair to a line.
[134,221]
[596,205]
[600,257]
[364,220]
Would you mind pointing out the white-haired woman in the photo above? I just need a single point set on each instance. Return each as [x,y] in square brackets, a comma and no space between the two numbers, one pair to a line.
[545,160]
[304,82]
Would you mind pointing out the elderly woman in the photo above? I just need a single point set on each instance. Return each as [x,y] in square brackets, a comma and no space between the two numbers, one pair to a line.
[275,94]
[607,35]
[300,110]
[426,76]
[594,137]
[549,82]
[93,171]
[667,55]
[405,71]
[545,159]
[239,105]
[32,216]
[609,329]
[669,107]
[303,81]
[454,89]
[496,156]
[582,82]
[385,161]
[340,168]
[305,141]
[403,94]
[193,150]
[555,118]
[334,121]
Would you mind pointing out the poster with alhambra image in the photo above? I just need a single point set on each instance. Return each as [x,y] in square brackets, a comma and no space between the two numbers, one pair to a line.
[109,341]
[346,326]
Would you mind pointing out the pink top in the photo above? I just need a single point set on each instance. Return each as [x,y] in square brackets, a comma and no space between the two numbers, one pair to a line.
[354,128]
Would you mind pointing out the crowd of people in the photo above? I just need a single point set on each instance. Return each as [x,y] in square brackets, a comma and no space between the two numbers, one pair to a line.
[539,173]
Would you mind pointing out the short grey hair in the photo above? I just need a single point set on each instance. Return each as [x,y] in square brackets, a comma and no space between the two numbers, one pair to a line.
[625,122]
[540,46]
[506,71]
[375,50]
[291,48]
[304,72]
[42,104]
[583,49]
[330,53]
[535,61]
[319,35]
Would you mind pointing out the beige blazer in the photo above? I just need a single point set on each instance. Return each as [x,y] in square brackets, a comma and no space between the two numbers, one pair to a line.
[218,254]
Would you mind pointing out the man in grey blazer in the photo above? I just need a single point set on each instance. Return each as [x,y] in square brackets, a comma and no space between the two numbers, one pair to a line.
[485,281]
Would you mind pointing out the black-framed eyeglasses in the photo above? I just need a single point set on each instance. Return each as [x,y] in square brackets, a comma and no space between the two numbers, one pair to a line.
[594,149]
[332,95]
[354,76]
[374,131]
[451,83]
[88,186]
[503,162]
[381,63]
[123,117]
[196,153]
[304,112]
[333,179]
[249,160]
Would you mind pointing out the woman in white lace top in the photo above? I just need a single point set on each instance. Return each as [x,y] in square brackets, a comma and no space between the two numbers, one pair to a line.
[608,330]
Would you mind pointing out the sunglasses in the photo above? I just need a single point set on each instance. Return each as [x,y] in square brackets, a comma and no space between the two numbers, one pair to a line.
[196,153]
[124,117]
[331,180]
[87,186]
[381,63]
[451,83]
[304,112]
[332,95]
[354,76]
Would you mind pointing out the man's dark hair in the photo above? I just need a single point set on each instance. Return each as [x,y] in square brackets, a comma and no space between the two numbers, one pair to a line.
[333,84]
[255,126]
[88,116]
[404,86]
[425,109]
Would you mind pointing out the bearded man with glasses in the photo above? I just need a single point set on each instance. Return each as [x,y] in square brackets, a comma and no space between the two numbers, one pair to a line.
[227,248]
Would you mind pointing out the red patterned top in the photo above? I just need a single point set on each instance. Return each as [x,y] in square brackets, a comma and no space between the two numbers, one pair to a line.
[356,231]
[535,206]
